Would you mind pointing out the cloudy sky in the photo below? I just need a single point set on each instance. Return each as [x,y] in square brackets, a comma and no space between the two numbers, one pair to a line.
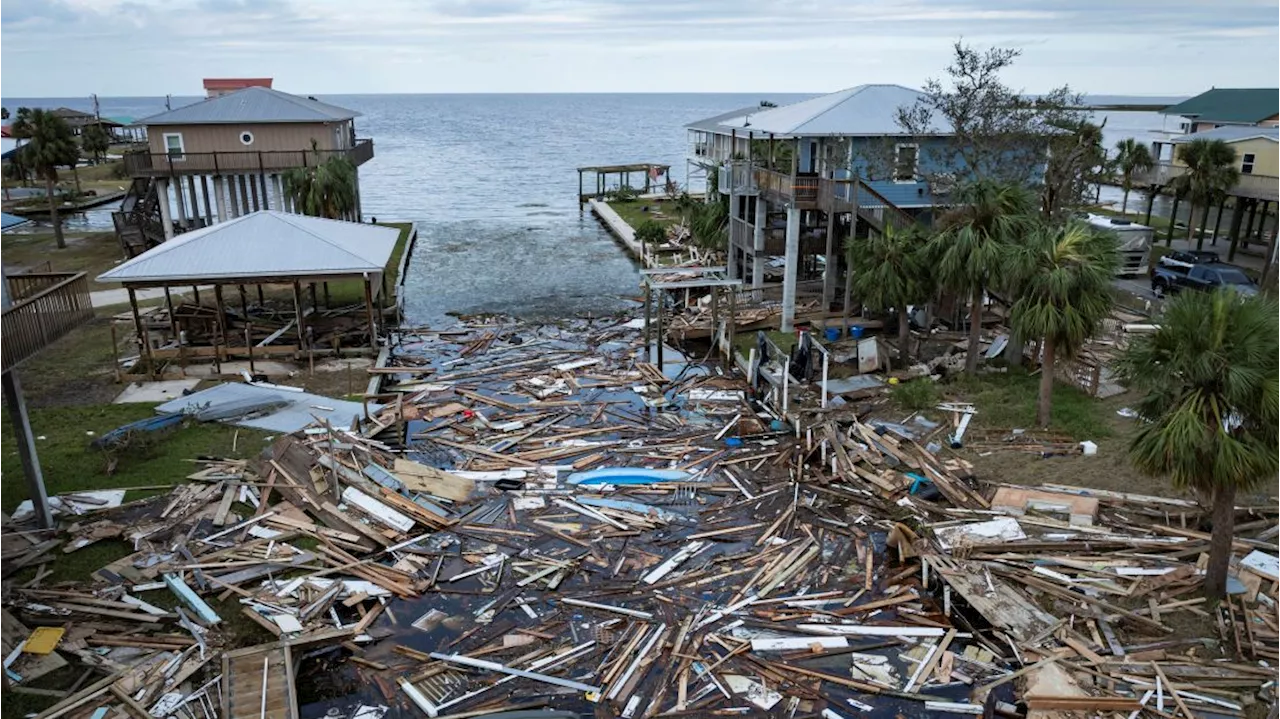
[55,48]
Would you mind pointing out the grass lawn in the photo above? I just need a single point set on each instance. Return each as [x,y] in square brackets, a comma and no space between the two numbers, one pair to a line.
[94,253]
[347,292]
[75,369]
[70,464]
[634,212]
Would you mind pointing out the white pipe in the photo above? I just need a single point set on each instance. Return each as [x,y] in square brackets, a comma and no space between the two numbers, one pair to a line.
[786,385]
[825,361]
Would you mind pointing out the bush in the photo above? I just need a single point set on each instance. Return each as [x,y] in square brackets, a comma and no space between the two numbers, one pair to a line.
[622,194]
[650,231]
[916,395]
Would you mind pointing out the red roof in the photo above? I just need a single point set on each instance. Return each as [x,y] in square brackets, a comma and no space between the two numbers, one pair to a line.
[235,83]
[4,131]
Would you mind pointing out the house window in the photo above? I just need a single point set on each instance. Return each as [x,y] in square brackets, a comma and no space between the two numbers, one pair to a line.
[246,138]
[906,159]
[1246,164]
[173,146]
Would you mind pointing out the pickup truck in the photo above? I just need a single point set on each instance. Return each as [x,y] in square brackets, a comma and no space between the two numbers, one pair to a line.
[1179,274]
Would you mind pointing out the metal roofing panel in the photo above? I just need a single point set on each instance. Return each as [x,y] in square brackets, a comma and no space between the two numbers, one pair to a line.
[302,410]
[865,110]
[268,243]
[1231,133]
[252,105]
[1228,104]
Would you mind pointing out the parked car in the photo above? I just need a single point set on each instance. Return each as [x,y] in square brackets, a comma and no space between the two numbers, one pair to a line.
[1198,271]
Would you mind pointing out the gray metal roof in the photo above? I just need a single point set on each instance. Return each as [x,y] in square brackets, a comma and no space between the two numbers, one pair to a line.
[303,408]
[268,243]
[865,110]
[713,124]
[251,105]
[1231,133]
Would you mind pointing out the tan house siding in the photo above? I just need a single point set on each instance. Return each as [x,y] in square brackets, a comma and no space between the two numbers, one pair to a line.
[273,137]
[1266,155]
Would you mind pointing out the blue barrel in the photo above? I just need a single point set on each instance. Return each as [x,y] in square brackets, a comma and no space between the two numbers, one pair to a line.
[856,331]
[833,334]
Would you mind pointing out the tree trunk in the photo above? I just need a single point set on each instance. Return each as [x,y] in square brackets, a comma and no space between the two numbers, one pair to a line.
[1044,408]
[1224,518]
[904,336]
[75,172]
[1204,217]
[1124,205]
[975,331]
[53,214]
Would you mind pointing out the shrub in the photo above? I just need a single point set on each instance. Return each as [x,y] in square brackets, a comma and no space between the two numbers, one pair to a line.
[622,194]
[650,231]
[915,395]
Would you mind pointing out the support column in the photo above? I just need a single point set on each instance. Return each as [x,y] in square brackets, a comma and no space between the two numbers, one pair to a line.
[737,207]
[791,270]
[196,214]
[208,204]
[1237,217]
[219,188]
[1248,228]
[829,275]
[757,238]
[368,308]
[244,195]
[25,440]
[182,202]
[1173,219]
[1218,223]
[166,211]
[360,212]
[278,188]
[233,197]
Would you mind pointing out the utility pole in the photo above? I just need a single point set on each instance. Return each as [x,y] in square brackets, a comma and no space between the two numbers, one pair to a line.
[22,429]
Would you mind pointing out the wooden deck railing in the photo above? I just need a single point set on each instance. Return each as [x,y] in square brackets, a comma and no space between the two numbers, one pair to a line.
[46,306]
[159,164]
[1260,187]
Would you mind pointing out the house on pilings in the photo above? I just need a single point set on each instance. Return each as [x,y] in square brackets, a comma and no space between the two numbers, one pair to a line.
[225,156]
[803,178]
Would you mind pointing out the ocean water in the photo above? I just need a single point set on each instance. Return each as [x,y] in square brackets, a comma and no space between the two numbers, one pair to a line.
[491,181]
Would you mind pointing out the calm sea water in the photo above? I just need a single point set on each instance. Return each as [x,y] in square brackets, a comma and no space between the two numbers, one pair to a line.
[491,182]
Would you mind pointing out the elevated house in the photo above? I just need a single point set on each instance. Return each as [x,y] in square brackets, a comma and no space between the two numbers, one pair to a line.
[804,177]
[224,157]
[1246,119]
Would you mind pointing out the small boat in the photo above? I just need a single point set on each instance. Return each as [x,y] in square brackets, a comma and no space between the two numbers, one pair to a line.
[628,475]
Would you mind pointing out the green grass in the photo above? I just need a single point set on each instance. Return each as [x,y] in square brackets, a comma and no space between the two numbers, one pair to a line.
[347,292]
[93,253]
[633,213]
[1008,401]
[915,395]
[71,465]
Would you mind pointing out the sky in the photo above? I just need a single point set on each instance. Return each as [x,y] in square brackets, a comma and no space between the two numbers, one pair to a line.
[68,48]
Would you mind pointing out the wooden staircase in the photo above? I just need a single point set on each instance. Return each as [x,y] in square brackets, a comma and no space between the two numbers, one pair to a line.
[139,224]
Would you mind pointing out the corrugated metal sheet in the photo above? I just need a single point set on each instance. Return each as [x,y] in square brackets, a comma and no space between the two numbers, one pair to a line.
[858,111]
[268,243]
[301,411]
[1231,133]
[252,104]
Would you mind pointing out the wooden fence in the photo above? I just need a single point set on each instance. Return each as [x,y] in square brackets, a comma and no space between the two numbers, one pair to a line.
[46,306]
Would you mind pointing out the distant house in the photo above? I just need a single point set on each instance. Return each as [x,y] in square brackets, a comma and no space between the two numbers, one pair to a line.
[219,86]
[78,121]
[224,156]
[1219,107]
[1257,148]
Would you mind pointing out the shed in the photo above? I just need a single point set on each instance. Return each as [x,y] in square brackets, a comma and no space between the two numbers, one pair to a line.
[265,247]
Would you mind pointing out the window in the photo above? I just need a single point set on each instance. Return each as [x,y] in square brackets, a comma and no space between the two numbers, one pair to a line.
[1246,164]
[246,138]
[173,146]
[905,162]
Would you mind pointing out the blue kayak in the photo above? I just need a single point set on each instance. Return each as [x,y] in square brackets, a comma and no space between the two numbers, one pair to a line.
[628,475]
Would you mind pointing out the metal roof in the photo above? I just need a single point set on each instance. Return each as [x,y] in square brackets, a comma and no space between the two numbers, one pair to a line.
[1231,133]
[262,244]
[303,408]
[251,105]
[9,222]
[712,124]
[865,110]
[1225,104]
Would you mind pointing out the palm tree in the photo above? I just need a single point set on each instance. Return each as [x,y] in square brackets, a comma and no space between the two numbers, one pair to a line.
[1210,173]
[1210,376]
[324,190]
[1132,158]
[891,271]
[49,145]
[1065,293]
[971,249]
[96,141]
